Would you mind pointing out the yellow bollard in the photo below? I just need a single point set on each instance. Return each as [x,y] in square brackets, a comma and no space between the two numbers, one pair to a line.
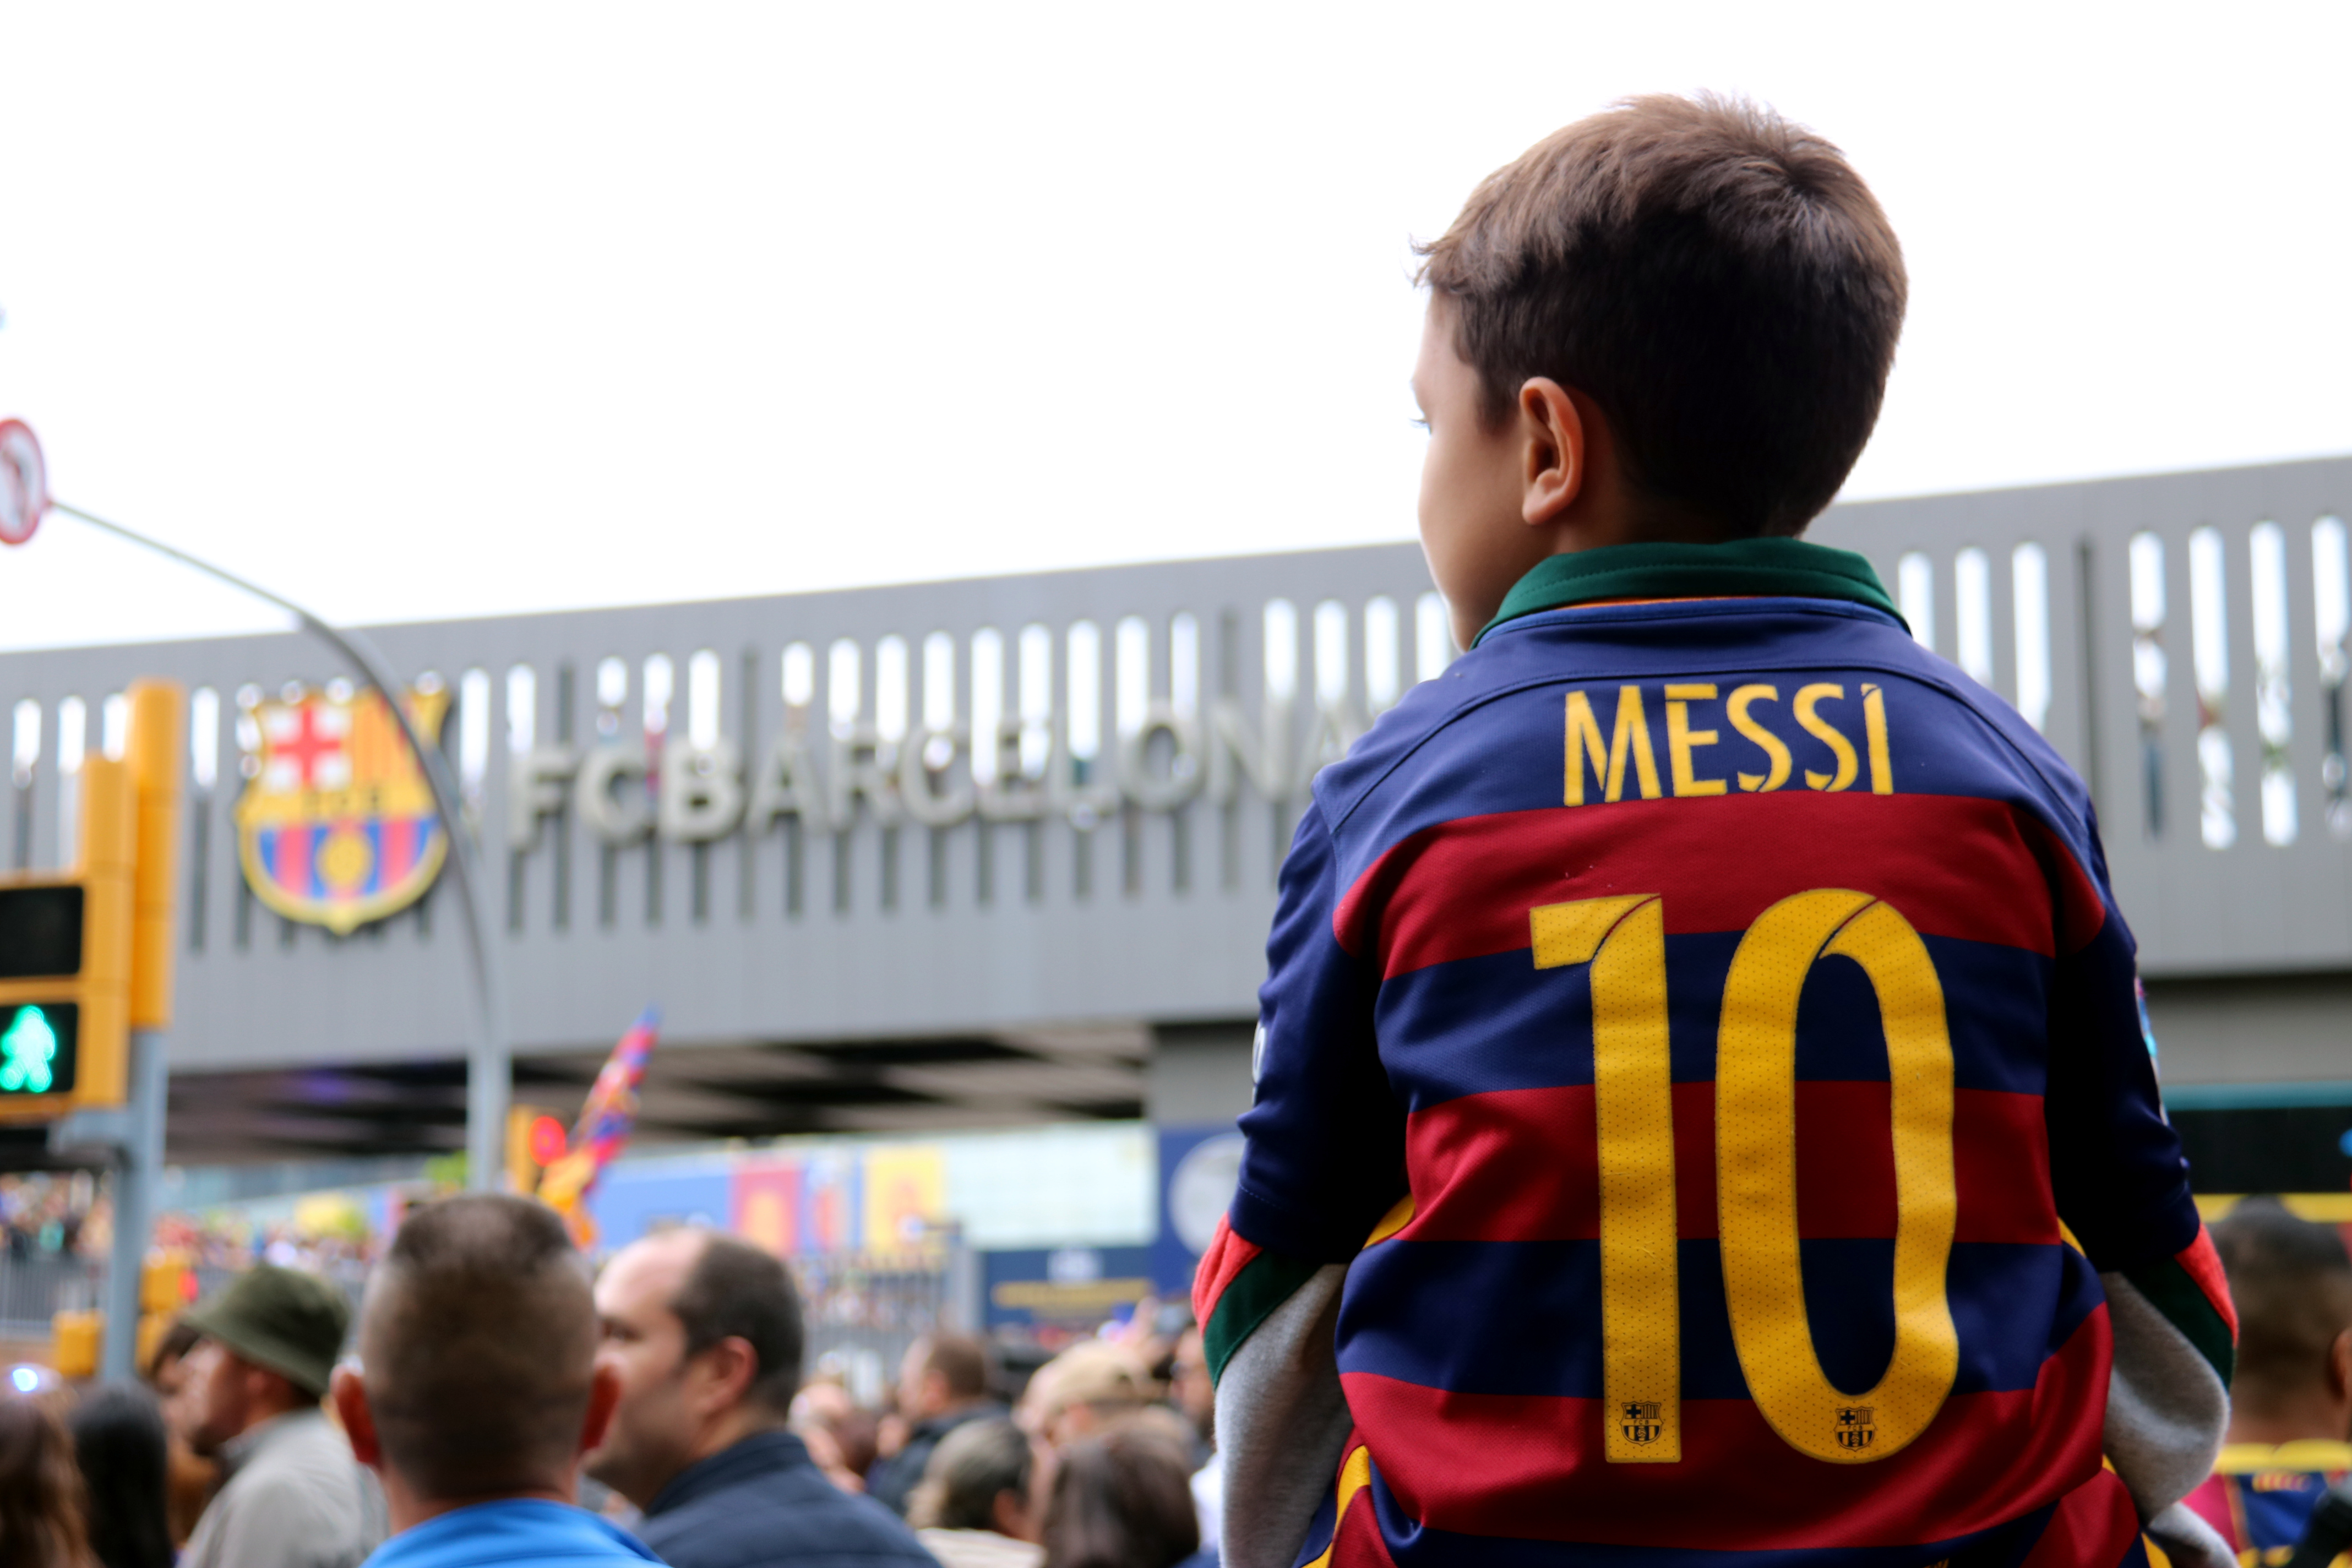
[158,1281]
[75,1337]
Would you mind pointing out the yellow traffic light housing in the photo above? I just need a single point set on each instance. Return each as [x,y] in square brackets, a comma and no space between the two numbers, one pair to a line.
[157,753]
[86,954]
[65,964]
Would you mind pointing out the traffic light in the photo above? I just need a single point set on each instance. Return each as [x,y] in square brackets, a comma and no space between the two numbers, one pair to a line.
[65,964]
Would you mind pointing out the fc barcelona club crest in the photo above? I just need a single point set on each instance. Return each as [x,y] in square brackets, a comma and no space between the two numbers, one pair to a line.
[1855,1429]
[337,825]
[1641,1421]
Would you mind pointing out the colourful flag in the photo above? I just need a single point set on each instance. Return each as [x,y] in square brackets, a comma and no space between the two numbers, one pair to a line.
[603,1128]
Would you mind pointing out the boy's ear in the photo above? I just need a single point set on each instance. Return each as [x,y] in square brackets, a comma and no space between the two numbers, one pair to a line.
[1553,452]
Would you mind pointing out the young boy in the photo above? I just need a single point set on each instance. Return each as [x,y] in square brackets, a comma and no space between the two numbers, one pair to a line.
[2291,1403]
[1691,1019]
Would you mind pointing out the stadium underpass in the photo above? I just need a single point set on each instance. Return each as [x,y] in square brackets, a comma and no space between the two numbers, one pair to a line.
[709,1091]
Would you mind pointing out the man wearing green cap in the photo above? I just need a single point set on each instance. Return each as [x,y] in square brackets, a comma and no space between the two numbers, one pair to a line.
[293,1496]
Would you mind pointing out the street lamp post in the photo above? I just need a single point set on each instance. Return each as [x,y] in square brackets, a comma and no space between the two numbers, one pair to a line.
[490,1064]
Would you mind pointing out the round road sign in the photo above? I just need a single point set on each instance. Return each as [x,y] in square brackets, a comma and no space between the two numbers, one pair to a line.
[23,482]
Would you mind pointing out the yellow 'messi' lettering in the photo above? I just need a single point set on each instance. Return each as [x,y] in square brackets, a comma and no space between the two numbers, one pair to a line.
[1681,738]
[1630,738]
[1874,728]
[1776,754]
[1808,699]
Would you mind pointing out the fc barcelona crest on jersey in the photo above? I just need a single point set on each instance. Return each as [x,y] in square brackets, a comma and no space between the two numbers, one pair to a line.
[1640,1420]
[337,825]
[1856,1429]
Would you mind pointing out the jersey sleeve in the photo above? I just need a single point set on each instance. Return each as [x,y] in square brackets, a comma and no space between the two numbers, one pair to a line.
[2116,1164]
[1325,1153]
[1324,1156]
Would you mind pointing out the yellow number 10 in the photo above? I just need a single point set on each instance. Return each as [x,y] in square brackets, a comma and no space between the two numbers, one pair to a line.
[1623,939]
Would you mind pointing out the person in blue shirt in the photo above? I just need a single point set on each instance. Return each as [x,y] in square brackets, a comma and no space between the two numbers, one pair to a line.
[480,1391]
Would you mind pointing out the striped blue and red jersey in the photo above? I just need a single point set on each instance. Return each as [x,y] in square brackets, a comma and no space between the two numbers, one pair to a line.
[1702,1027]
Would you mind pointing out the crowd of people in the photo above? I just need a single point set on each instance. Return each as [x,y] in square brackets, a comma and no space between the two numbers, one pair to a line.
[1105,1456]
[496,1402]
[67,1214]
[225,1241]
[45,1214]
[499,1403]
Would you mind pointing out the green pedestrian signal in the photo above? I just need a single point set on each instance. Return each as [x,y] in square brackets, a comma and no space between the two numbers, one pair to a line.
[37,1048]
[28,1053]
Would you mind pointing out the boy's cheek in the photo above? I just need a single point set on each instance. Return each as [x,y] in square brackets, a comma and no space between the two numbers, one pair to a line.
[1473,563]
[1471,528]
[1432,518]
[1449,533]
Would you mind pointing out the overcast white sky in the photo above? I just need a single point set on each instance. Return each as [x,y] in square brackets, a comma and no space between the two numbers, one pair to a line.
[428,311]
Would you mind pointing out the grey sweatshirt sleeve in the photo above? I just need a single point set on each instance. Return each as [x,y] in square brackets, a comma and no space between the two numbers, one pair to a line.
[1282,1421]
[2167,1408]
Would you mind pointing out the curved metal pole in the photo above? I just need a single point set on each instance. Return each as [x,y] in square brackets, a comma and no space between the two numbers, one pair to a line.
[490,1065]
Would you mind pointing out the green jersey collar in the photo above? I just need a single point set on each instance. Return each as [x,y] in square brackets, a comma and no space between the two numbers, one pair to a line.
[1761,568]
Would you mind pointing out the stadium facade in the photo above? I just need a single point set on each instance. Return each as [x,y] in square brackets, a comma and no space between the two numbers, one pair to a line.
[1002,852]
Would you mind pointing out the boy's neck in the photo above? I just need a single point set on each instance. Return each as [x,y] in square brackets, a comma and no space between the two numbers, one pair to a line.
[1661,571]
[1617,512]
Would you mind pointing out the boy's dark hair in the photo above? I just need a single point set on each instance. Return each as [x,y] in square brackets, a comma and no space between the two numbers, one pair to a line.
[1718,280]
[734,1290]
[467,1402]
[2291,1281]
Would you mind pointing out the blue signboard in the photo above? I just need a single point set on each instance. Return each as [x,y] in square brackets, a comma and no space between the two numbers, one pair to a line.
[1066,1287]
[1197,1168]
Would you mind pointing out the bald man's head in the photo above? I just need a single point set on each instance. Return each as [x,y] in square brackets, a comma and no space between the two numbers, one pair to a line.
[478,1341]
[704,1334]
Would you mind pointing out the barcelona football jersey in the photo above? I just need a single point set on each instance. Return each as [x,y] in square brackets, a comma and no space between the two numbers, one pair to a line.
[1702,1027]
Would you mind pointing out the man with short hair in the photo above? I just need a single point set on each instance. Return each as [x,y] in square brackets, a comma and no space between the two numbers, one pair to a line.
[479,1389]
[2291,1403]
[704,1334]
[942,1384]
[291,1496]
